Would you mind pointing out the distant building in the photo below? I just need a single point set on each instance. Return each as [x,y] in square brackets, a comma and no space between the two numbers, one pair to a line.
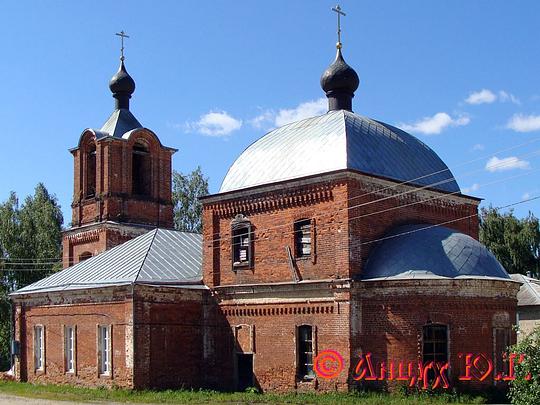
[528,316]
[337,232]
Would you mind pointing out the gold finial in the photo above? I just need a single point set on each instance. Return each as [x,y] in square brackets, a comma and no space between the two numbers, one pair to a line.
[339,13]
[122,35]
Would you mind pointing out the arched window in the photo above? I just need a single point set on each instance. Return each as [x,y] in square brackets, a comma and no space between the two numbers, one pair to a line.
[91,171]
[141,169]
[84,256]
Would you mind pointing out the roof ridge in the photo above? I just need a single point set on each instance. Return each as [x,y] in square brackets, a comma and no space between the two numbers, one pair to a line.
[146,255]
[535,293]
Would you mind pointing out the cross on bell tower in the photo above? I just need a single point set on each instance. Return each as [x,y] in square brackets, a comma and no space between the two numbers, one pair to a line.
[123,35]
[337,10]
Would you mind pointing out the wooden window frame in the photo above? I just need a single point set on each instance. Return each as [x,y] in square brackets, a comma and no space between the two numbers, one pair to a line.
[41,368]
[310,374]
[73,370]
[433,342]
[109,361]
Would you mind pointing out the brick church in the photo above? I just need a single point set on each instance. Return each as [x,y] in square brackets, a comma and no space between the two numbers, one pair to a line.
[334,233]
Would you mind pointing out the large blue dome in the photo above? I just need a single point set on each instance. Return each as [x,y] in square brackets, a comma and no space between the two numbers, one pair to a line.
[338,140]
[426,251]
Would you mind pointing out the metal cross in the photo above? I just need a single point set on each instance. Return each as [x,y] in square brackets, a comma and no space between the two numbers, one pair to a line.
[339,13]
[122,35]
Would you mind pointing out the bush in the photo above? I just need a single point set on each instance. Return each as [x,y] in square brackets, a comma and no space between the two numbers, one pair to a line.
[525,388]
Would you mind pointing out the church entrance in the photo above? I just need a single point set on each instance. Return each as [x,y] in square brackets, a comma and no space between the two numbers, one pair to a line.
[244,371]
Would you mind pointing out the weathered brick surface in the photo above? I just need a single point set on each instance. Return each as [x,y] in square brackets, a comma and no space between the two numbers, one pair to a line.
[114,200]
[168,337]
[390,315]
[190,337]
[85,310]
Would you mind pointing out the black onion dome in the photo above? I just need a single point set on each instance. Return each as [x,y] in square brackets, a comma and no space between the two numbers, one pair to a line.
[122,82]
[339,76]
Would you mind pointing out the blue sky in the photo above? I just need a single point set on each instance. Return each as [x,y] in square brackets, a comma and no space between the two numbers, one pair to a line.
[213,76]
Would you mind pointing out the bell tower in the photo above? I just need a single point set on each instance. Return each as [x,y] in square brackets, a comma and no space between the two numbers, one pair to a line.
[122,180]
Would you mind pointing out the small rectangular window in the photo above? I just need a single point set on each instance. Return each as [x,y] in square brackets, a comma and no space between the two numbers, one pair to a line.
[69,349]
[305,351]
[39,348]
[302,237]
[104,350]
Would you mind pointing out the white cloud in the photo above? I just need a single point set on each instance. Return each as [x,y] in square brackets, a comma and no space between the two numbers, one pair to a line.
[304,110]
[524,123]
[215,123]
[504,97]
[496,165]
[435,124]
[526,196]
[478,146]
[472,188]
[263,120]
[483,96]
[486,96]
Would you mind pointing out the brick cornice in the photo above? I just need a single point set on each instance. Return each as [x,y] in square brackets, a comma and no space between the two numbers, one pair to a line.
[84,237]
[273,201]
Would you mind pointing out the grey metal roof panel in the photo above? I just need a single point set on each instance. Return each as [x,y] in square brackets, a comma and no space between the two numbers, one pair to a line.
[414,251]
[529,292]
[334,141]
[159,256]
[120,122]
[173,256]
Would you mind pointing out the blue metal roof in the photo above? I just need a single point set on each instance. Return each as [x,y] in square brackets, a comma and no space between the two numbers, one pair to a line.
[338,140]
[158,257]
[423,251]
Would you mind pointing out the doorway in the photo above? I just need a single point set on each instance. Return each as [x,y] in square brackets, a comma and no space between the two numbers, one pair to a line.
[244,371]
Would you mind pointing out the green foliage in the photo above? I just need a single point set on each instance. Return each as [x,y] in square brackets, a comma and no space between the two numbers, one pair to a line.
[30,249]
[70,393]
[514,242]
[525,391]
[186,192]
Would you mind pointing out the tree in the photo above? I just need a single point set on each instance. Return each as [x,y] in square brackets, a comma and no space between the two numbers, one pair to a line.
[30,249]
[514,242]
[525,388]
[186,192]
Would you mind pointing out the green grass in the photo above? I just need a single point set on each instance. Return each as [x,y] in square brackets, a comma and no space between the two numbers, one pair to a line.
[70,393]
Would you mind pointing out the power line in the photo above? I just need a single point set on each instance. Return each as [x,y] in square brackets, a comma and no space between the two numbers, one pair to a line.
[412,231]
[411,181]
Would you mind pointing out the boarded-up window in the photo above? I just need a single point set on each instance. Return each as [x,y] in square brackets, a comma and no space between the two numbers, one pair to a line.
[302,238]
[242,234]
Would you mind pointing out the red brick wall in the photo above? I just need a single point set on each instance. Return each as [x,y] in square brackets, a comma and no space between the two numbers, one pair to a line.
[272,216]
[85,317]
[95,239]
[344,221]
[389,318]
[268,331]
[114,199]
[168,337]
